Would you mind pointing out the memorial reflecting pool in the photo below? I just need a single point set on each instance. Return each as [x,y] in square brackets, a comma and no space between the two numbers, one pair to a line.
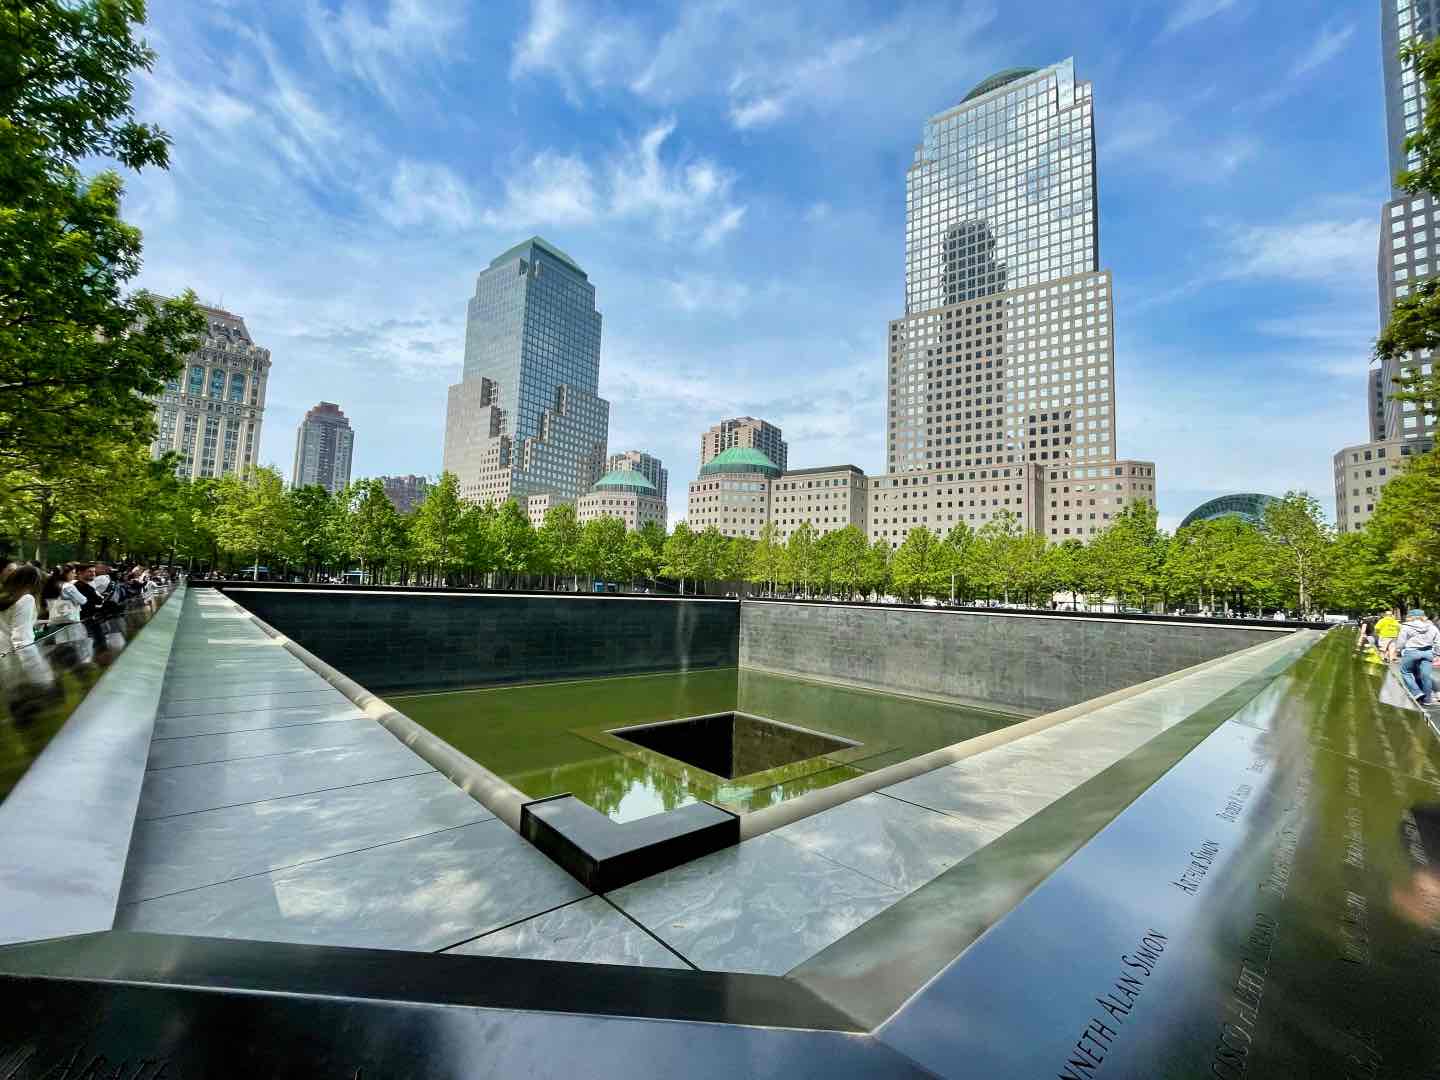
[552,738]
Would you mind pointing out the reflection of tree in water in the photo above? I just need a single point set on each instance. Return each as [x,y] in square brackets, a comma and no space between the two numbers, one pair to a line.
[604,783]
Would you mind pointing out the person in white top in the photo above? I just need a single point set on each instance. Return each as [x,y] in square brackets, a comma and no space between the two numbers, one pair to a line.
[63,600]
[18,606]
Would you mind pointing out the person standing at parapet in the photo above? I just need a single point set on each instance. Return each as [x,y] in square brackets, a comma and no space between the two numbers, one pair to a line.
[1386,631]
[1416,646]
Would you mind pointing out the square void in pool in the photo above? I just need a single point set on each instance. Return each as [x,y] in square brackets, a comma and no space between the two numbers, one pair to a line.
[732,744]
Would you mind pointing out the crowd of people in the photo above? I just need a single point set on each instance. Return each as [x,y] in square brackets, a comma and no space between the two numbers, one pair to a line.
[1411,645]
[32,601]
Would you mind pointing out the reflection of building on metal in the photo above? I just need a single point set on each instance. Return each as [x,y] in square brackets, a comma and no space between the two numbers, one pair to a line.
[1247,505]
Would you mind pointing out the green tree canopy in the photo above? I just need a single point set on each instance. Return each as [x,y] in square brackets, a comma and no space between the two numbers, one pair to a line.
[77,355]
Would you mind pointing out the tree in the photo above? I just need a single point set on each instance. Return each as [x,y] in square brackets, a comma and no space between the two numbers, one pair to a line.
[875,574]
[957,559]
[477,539]
[1403,536]
[1127,555]
[252,514]
[1299,540]
[709,554]
[513,539]
[77,358]
[374,531]
[845,556]
[767,562]
[315,539]
[916,564]
[602,550]
[802,562]
[681,555]
[735,560]
[436,528]
[646,550]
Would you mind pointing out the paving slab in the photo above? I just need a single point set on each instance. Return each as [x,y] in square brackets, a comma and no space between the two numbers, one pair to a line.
[589,931]
[194,850]
[428,893]
[762,906]
[188,788]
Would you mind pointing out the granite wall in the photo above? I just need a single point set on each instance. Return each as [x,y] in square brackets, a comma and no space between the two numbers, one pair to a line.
[391,641]
[1029,664]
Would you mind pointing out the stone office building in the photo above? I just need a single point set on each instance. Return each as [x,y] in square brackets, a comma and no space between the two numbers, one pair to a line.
[1002,370]
[623,494]
[211,413]
[740,491]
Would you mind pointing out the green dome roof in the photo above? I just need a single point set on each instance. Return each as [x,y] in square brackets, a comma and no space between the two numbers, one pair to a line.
[999,79]
[624,480]
[1248,505]
[740,459]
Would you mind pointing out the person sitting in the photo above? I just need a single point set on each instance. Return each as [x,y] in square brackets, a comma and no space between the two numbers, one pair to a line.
[18,605]
[1416,647]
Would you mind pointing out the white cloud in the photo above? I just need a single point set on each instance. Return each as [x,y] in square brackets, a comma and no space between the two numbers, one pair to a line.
[549,189]
[679,195]
[423,194]
[1190,12]
[763,94]
[577,44]
[1307,251]
[1327,45]
[676,194]
[385,52]
[705,293]
[767,63]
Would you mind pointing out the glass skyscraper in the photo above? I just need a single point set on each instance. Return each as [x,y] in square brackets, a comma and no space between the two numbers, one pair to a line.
[1002,369]
[525,418]
[1002,190]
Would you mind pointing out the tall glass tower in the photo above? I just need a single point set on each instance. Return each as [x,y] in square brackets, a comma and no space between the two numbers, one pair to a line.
[1002,369]
[1001,193]
[525,418]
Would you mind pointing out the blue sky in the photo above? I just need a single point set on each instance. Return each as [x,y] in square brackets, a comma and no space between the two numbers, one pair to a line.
[731,175]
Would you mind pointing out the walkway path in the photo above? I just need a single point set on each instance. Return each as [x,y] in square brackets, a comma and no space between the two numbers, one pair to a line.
[273,809]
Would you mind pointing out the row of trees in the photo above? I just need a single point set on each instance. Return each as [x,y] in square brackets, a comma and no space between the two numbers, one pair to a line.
[1291,560]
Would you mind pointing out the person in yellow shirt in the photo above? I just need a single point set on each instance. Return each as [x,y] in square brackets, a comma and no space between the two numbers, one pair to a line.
[1386,631]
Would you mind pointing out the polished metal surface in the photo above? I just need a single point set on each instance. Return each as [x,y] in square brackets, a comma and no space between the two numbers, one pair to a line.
[78,723]
[1268,907]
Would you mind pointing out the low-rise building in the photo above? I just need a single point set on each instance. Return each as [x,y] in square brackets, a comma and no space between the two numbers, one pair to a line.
[537,506]
[830,498]
[732,492]
[623,494]
[1362,470]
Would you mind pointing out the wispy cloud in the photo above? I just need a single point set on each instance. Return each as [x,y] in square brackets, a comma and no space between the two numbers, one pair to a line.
[1306,251]
[676,193]
[1189,12]
[385,51]
[1328,44]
